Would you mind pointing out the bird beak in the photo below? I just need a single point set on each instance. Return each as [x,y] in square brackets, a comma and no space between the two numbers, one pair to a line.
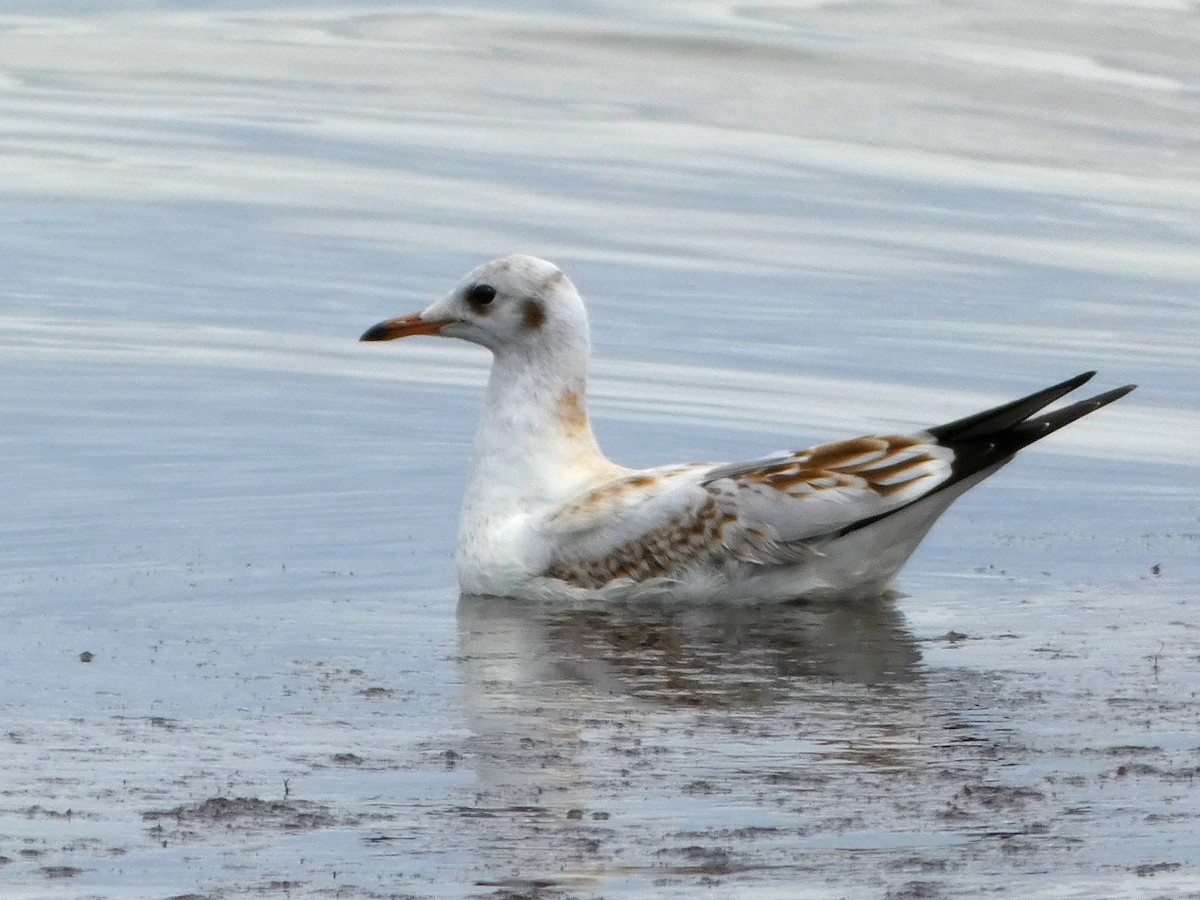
[404,326]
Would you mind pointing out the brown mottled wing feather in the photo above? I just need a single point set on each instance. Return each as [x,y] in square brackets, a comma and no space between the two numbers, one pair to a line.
[647,525]
[831,486]
[661,523]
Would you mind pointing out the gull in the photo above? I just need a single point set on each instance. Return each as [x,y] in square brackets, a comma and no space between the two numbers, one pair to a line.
[546,515]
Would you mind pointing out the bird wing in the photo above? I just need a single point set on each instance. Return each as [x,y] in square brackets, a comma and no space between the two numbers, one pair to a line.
[832,487]
[660,522]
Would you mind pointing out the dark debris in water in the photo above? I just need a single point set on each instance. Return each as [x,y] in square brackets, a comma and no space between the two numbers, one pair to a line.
[916,890]
[993,796]
[376,692]
[1151,869]
[247,812]
[60,871]
[1145,770]
[702,860]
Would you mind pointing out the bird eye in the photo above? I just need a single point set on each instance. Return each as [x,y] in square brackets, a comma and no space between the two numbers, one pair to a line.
[481,295]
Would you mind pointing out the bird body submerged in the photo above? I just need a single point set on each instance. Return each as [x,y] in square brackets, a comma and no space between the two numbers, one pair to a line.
[546,514]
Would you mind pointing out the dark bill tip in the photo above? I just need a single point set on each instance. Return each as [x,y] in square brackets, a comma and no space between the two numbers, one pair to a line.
[405,326]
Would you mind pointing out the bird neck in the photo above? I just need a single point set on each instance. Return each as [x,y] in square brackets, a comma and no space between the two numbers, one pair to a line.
[535,443]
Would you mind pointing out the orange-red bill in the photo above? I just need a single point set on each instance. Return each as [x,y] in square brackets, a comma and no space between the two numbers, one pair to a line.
[404,326]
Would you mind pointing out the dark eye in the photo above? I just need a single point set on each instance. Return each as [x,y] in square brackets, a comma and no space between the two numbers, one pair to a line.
[481,295]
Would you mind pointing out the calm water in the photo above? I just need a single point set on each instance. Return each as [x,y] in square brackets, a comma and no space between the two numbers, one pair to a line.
[794,221]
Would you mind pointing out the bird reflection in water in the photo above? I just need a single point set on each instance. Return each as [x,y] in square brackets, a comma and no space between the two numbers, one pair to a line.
[846,676]
[670,717]
[702,656]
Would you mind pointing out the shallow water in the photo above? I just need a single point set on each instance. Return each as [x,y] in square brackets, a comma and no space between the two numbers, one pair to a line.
[793,221]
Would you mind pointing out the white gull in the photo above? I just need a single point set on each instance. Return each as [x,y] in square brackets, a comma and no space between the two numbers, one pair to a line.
[548,515]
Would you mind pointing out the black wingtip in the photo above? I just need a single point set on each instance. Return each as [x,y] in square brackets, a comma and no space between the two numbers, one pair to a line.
[991,438]
[1071,383]
[1100,399]
[1007,415]
[1035,429]
[995,435]
[1118,393]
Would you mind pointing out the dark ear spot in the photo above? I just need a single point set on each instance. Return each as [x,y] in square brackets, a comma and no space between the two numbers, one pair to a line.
[533,315]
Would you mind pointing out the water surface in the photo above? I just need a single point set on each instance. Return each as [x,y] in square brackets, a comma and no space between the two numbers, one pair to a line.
[793,221]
